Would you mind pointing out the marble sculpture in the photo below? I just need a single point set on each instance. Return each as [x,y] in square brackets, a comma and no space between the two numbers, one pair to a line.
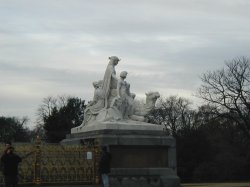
[113,100]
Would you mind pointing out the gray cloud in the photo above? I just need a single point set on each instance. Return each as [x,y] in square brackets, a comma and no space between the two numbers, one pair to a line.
[56,47]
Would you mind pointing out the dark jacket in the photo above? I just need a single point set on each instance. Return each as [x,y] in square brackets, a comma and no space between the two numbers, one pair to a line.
[10,164]
[104,164]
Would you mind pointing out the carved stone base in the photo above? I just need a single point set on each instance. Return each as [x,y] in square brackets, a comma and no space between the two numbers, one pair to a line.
[152,177]
[142,155]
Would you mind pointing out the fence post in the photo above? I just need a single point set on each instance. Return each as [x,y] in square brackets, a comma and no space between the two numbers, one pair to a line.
[37,164]
[96,163]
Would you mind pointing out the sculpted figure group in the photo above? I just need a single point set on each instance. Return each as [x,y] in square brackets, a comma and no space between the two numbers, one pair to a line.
[113,100]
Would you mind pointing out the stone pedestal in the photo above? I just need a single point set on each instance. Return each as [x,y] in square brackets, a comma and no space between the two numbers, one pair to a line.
[142,155]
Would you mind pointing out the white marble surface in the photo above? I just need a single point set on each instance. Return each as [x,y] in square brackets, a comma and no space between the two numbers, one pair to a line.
[121,125]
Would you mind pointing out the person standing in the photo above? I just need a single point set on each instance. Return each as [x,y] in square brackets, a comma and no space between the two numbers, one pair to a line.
[104,166]
[10,162]
[7,145]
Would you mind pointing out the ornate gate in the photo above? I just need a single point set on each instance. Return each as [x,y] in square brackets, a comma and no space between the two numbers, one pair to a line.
[57,164]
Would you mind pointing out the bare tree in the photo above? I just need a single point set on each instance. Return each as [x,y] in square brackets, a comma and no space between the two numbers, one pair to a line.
[174,112]
[49,104]
[57,115]
[228,90]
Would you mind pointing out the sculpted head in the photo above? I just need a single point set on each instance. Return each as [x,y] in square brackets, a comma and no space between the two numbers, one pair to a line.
[151,98]
[97,84]
[153,95]
[114,60]
[123,74]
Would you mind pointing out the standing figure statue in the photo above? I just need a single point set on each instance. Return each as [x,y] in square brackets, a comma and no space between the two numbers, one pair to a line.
[123,93]
[110,81]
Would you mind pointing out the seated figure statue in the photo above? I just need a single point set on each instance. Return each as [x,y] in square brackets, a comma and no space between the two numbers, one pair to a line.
[94,107]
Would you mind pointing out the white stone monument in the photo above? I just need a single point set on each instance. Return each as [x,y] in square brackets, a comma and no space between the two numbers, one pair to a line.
[113,105]
[141,152]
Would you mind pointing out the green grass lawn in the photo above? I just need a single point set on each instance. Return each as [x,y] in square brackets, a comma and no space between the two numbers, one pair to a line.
[217,185]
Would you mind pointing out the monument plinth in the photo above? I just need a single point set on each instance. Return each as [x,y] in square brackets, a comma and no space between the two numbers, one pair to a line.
[142,155]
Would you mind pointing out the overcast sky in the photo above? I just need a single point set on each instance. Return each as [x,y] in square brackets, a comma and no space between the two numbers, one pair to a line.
[59,47]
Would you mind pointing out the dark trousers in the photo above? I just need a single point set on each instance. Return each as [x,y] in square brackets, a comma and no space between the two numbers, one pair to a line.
[10,181]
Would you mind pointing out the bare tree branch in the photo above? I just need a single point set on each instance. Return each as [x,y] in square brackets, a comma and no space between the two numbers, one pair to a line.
[229,90]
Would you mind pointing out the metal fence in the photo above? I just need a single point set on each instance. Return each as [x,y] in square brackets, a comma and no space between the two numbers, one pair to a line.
[44,163]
